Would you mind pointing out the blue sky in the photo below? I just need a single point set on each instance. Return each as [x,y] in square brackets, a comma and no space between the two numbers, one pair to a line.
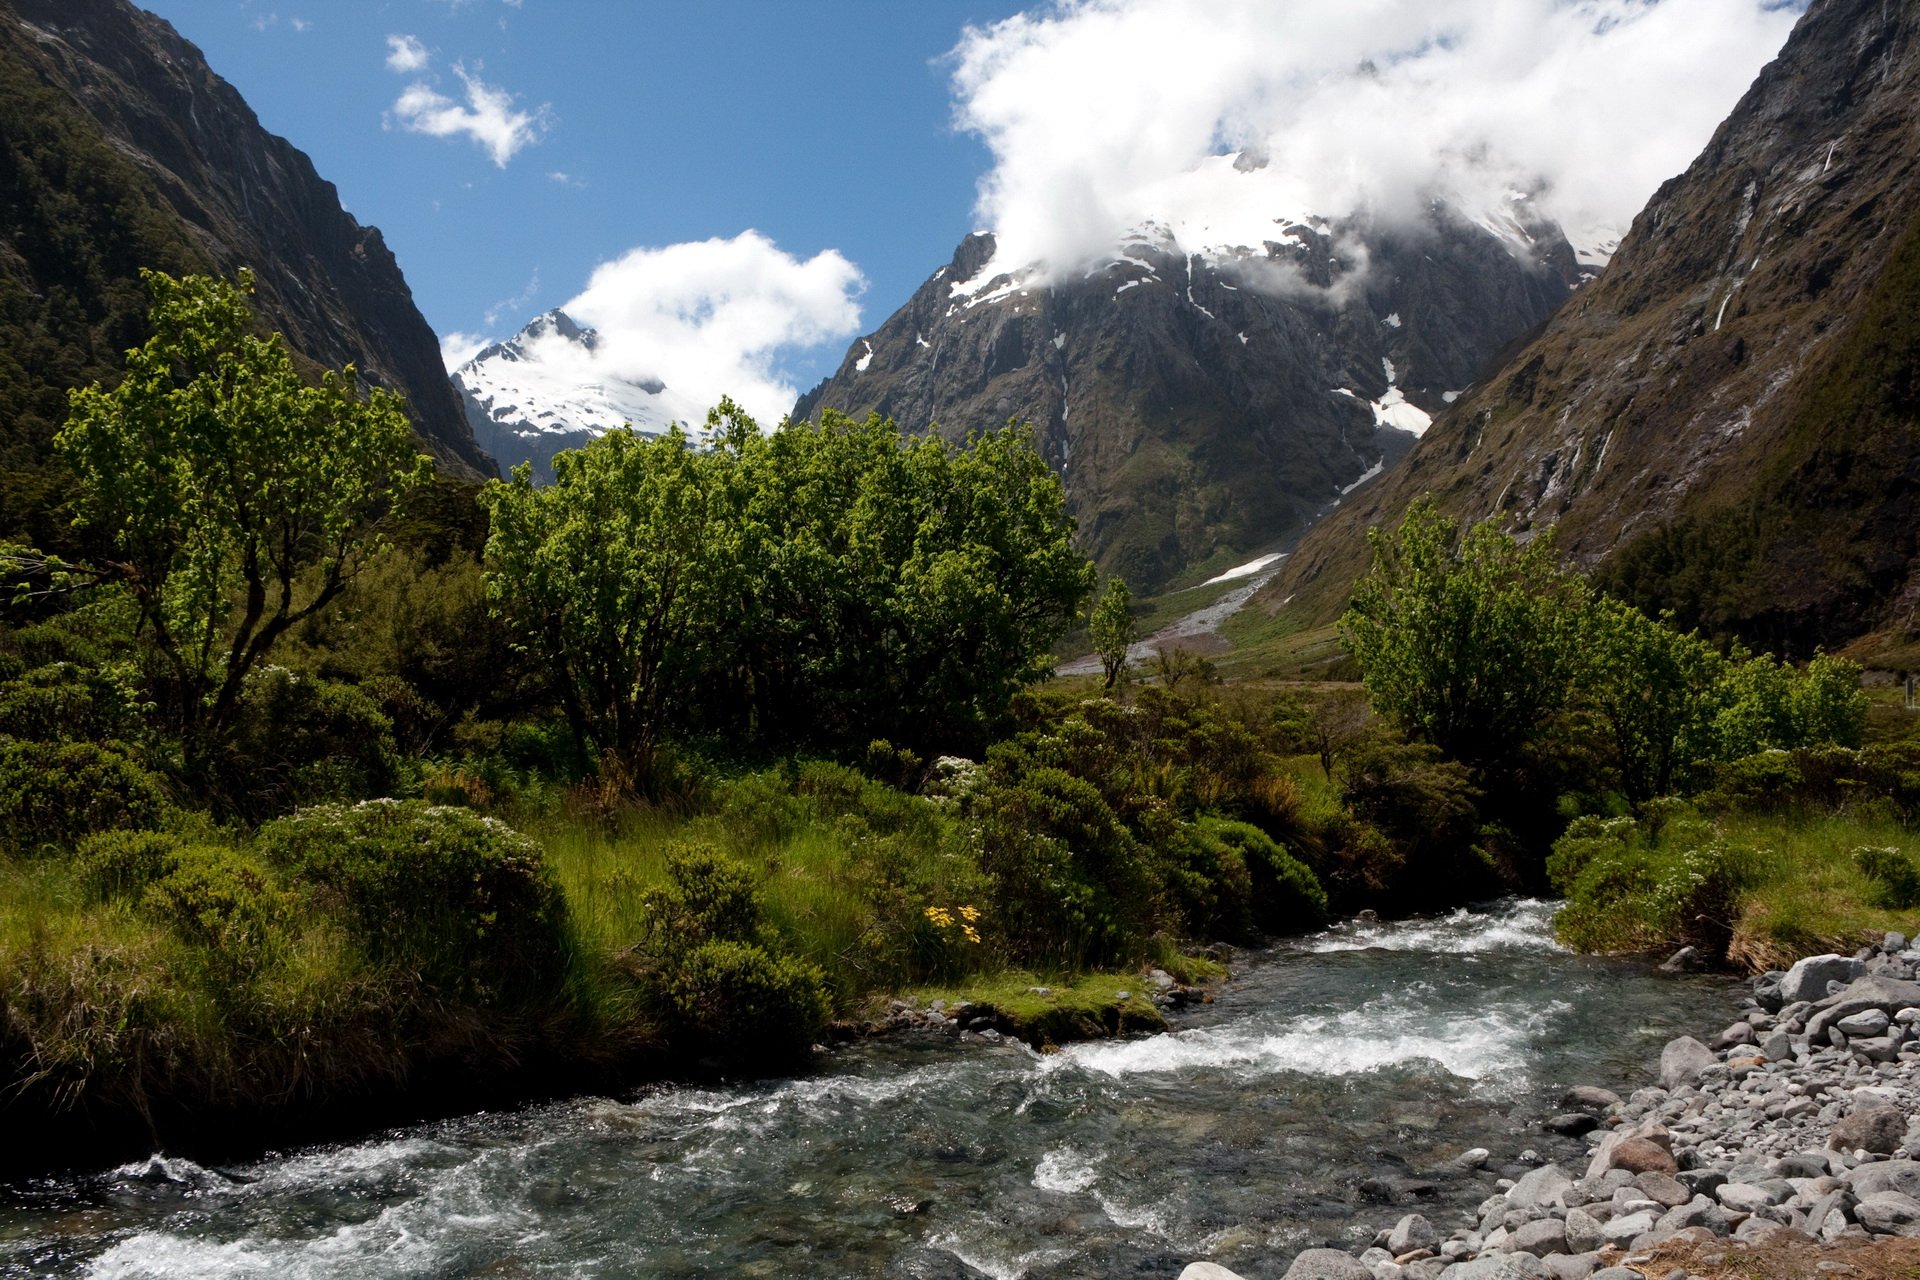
[823,126]
[615,157]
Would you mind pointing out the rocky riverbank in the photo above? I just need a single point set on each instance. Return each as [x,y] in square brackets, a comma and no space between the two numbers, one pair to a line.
[1797,1126]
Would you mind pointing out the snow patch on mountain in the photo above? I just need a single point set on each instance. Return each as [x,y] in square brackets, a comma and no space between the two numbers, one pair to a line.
[542,391]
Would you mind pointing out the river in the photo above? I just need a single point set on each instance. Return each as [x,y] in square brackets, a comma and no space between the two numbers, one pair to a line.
[1330,1072]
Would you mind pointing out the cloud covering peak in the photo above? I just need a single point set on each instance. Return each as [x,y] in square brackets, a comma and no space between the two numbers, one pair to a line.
[1104,114]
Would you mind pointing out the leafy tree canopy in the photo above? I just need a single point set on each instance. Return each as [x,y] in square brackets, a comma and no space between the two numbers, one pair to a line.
[234,497]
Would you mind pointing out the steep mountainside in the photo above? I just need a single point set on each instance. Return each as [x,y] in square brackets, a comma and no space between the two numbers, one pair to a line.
[1727,422]
[120,148]
[1205,406]
[537,393]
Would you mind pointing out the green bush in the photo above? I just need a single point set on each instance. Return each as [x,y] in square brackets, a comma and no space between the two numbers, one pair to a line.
[1287,898]
[121,864]
[1629,891]
[464,901]
[301,740]
[220,899]
[66,702]
[56,793]
[1896,880]
[708,896]
[735,1000]
[715,970]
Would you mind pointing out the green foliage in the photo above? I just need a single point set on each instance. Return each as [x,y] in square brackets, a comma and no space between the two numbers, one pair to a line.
[1286,898]
[1895,876]
[1808,778]
[1113,629]
[623,573]
[461,900]
[736,1000]
[718,975]
[825,584]
[1657,691]
[217,898]
[68,702]
[119,865]
[1427,809]
[296,741]
[1628,890]
[1468,639]
[55,793]
[235,496]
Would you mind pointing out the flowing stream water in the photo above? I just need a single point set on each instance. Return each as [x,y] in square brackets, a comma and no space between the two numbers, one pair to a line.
[1331,1075]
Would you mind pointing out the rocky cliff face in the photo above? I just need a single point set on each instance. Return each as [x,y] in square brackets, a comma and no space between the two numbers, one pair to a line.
[186,150]
[1727,422]
[1204,406]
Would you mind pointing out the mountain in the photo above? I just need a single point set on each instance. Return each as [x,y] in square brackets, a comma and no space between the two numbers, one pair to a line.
[121,149]
[538,392]
[1727,422]
[1202,406]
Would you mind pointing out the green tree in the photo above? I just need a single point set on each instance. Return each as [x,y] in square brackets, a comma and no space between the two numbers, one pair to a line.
[625,574]
[905,587]
[1468,639]
[1113,628]
[236,497]
[1657,692]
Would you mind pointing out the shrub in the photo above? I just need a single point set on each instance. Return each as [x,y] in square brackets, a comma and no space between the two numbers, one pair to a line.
[1627,891]
[66,702]
[715,971]
[55,793]
[121,864]
[301,740]
[220,899]
[735,1000]
[463,900]
[1286,896]
[1896,880]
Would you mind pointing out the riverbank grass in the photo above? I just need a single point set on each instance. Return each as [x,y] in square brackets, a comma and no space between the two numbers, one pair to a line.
[1757,890]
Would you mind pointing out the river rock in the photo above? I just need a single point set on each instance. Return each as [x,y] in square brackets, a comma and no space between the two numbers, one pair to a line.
[1328,1264]
[1539,1238]
[1588,1097]
[1642,1155]
[1877,1129]
[1868,1022]
[1682,1061]
[1616,1273]
[1546,1185]
[1571,1266]
[1583,1232]
[1777,1046]
[1410,1233]
[1888,1213]
[1572,1123]
[1738,1033]
[1622,1231]
[1668,1192]
[1887,1175]
[1498,1266]
[1208,1271]
[1750,1197]
[1808,978]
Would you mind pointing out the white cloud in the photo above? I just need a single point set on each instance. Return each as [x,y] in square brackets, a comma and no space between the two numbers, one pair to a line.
[1102,114]
[405,54]
[457,348]
[710,318]
[489,116]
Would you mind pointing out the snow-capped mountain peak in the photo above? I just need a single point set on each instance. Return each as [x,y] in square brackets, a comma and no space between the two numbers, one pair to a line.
[549,388]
